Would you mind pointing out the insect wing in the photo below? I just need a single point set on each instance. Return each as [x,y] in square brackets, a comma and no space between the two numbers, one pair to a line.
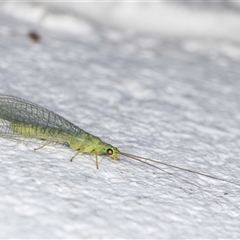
[13,109]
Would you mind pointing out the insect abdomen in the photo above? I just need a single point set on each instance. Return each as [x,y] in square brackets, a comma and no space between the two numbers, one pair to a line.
[40,132]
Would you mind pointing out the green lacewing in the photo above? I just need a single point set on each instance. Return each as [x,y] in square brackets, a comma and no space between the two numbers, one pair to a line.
[26,121]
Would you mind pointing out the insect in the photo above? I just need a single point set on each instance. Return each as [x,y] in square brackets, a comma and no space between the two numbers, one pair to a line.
[25,121]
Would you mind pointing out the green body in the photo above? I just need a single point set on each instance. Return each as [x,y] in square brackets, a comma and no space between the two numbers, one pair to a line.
[24,120]
[79,141]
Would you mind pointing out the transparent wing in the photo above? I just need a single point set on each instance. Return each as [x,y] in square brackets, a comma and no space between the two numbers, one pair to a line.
[13,109]
[7,132]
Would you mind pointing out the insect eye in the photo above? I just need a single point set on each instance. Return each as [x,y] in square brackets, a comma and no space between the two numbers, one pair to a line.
[109,151]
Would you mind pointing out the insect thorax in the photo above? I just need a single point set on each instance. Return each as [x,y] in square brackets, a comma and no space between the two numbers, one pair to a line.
[85,142]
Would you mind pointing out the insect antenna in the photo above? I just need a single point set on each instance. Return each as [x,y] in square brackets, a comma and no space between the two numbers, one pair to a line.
[141,159]
[137,158]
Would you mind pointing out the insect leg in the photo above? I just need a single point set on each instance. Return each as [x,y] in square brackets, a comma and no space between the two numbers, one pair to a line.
[74,156]
[96,162]
[41,146]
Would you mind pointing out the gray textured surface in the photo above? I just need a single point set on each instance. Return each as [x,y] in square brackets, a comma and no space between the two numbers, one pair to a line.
[173,100]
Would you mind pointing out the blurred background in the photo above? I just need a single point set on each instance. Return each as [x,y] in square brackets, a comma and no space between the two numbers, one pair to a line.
[159,80]
[175,19]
